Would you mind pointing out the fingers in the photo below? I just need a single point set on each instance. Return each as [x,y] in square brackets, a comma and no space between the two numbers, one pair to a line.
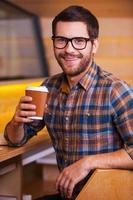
[68,187]
[61,185]
[65,184]
[24,110]
[71,175]
[25,99]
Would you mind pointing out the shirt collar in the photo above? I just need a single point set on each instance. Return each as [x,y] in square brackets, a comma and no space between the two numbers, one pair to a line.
[65,86]
[86,81]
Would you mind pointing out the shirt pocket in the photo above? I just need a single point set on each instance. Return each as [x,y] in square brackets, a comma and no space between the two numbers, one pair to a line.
[89,121]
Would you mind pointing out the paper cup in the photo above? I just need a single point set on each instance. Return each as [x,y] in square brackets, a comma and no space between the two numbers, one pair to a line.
[39,98]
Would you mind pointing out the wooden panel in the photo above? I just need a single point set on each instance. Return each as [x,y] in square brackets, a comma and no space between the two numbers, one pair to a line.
[38,187]
[121,67]
[33,182]
[108,184]
[116,27]
[10,180]
[102,8]
[113,46]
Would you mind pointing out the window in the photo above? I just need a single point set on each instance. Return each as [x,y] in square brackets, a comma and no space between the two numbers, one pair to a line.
[22,54]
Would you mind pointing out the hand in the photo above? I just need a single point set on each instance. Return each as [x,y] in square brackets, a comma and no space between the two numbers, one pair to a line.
[71,175]
[24,110]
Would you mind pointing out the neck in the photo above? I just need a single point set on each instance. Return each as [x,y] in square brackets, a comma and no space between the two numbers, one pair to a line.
[73,80]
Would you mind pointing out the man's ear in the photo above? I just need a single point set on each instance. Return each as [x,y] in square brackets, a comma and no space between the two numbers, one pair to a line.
[95,46]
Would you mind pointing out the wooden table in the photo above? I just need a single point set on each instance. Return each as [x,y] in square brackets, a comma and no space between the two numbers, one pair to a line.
[13,159]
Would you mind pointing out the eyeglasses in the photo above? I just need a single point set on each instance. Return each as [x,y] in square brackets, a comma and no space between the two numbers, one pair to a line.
[78,43]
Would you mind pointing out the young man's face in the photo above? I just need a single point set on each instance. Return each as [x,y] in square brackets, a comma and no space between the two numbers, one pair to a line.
[73,61]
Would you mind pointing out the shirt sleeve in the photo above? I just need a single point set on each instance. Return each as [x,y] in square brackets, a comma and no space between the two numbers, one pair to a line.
[30,130]
[122,104]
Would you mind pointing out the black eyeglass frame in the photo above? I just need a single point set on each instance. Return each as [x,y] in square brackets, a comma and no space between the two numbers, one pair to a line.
[70,40]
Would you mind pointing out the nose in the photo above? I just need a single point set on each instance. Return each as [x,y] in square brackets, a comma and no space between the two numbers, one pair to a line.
[69,48]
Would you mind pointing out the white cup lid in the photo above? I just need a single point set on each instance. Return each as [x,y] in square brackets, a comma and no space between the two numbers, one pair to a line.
[39,88]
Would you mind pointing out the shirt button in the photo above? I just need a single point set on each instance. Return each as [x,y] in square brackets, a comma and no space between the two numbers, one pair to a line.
[66,142]
[65,161]
[66,138]
[67,118]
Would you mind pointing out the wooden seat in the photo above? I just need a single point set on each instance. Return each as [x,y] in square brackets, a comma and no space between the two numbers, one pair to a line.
[113,184]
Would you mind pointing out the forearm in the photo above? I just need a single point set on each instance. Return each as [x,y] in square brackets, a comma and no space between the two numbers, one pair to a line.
[114,160]
[14,131]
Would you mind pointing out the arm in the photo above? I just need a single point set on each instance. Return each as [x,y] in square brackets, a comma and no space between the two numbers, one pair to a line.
[74,173]
[14,131]
[121,102]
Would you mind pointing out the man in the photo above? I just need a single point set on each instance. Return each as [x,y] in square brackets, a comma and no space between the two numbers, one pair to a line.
[89,113]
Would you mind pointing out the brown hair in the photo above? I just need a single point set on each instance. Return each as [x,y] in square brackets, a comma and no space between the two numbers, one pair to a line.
[78,13]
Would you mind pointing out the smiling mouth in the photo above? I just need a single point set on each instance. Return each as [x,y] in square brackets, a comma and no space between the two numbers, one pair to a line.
[71,59]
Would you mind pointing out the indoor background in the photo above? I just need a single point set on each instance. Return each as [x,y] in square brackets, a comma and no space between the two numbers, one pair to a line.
[116,31]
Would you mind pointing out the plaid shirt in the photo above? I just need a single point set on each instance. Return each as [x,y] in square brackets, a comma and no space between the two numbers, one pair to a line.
[95,116]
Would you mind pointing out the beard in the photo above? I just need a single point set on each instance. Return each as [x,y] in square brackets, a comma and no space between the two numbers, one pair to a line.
[73,65]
